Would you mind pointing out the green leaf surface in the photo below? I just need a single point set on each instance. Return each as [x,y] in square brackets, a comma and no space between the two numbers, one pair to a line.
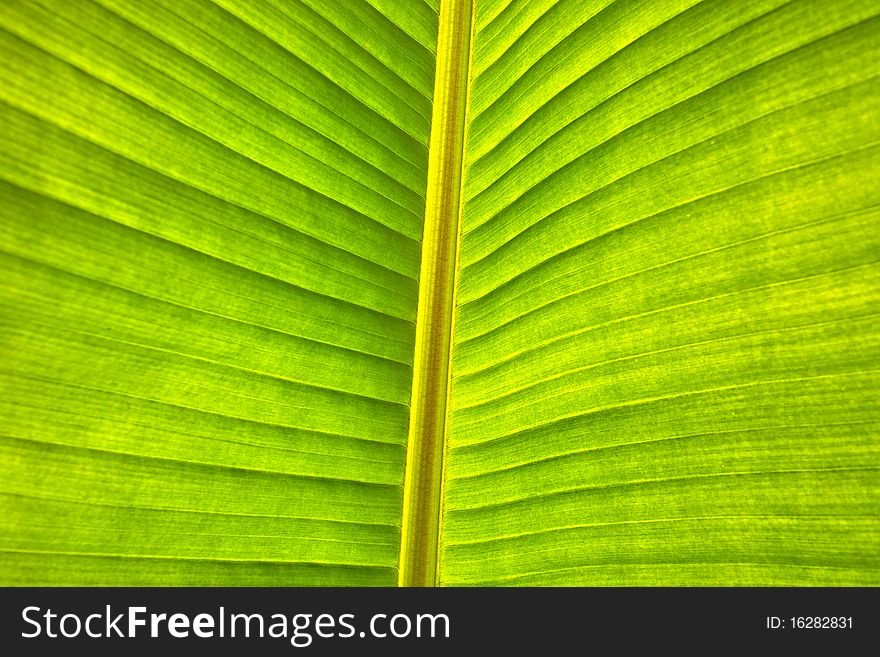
[666,361]
[502,292]
[210,250]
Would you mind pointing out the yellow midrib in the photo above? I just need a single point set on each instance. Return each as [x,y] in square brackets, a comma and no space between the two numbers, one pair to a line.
[423,478]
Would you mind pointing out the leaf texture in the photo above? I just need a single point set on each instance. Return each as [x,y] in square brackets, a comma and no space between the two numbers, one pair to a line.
[666,354]
[210,252]
[662,305]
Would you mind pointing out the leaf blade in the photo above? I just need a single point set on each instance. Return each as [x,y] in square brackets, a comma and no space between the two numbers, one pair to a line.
[208,295]
[658,380]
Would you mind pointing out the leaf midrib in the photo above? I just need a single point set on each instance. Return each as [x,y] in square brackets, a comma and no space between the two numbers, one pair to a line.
[423,479]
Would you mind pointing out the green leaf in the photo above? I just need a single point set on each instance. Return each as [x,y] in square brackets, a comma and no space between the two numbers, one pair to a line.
[667,347]
[510,292]
[210,251]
